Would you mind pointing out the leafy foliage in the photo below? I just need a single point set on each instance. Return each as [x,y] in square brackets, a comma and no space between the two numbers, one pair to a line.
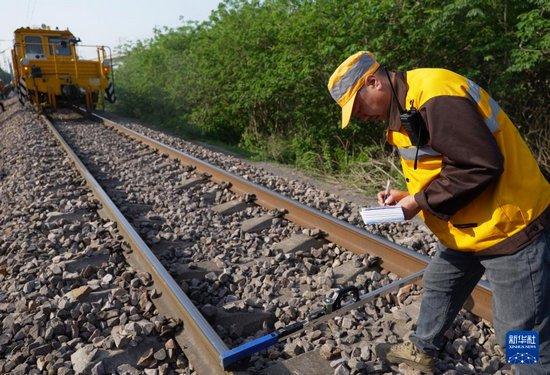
[255,73]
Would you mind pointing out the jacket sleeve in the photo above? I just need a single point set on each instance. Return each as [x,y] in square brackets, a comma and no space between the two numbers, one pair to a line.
[471,157]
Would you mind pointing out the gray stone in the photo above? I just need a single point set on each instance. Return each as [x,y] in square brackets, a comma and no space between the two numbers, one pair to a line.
[329,351]
[107,278]
[127,369]
[160,355]
[146,358]
[28,287]
[146,327]
[293,349]
[98,369]
[119,337]
[211,276]
[460,345]
[341,370]
[5,338]
[79,293]
[347,323]
[20,369]
[356,364]
[314,335]
[133,329]
[309,363]
[82,359]
[337,362]
[41,350]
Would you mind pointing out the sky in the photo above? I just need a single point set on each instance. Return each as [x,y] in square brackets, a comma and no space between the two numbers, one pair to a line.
[104,22]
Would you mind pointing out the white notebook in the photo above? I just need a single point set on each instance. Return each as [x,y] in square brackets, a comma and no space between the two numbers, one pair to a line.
[384,214]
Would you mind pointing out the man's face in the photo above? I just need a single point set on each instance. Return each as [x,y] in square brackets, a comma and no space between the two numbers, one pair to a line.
[372,101]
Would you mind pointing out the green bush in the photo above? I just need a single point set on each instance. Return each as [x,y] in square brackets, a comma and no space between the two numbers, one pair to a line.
[255,73]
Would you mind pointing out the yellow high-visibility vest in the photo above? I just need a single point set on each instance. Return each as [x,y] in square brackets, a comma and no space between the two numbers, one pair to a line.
[506,207]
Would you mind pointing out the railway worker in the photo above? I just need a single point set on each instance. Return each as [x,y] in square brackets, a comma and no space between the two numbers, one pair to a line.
[477,187]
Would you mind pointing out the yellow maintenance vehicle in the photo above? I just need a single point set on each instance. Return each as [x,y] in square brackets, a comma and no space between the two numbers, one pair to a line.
[48,71]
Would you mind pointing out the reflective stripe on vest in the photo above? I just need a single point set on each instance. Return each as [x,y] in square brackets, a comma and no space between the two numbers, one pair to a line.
[475,93]
[409,153]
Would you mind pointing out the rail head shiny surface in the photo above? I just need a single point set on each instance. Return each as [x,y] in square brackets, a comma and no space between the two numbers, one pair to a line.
[178,300]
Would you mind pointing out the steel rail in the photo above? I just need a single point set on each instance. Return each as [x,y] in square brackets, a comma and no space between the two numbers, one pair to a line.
[198,339]
[395,258]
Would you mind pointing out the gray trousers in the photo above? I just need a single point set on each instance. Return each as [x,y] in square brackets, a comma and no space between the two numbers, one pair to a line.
[520,284]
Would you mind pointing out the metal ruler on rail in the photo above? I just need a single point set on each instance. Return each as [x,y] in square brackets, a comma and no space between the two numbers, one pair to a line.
[344,300]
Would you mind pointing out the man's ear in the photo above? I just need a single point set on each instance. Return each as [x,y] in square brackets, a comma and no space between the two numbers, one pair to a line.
[371,80]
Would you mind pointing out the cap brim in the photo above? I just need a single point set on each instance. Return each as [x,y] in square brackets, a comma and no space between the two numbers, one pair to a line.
[346,111]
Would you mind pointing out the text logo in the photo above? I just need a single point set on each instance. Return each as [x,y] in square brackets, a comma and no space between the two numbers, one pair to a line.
[522,347]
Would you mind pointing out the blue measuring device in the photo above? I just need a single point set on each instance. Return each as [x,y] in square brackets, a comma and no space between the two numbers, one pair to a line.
[245,350]
[344,300]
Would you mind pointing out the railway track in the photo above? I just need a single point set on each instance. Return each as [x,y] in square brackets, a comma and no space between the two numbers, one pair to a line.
[239,210]
[395,258]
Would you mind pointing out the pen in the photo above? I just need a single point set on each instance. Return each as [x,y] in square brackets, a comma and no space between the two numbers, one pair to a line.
[387,192]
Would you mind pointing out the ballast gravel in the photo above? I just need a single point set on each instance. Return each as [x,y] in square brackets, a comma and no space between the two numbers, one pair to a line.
[69,304]
[232,275]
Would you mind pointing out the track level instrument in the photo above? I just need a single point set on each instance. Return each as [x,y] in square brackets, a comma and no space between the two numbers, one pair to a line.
[345,299]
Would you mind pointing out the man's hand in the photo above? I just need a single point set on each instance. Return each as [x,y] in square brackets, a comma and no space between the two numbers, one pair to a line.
[410,207]
[406,201]
[392,198]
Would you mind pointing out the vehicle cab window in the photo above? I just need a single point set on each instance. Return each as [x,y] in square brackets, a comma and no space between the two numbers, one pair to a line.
[59,46]
[33,47]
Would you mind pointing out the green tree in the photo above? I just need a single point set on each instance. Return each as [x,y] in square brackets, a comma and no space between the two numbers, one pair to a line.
[255,72]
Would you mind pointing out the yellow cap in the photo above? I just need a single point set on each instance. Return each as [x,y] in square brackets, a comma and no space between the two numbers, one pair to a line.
[348,79]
